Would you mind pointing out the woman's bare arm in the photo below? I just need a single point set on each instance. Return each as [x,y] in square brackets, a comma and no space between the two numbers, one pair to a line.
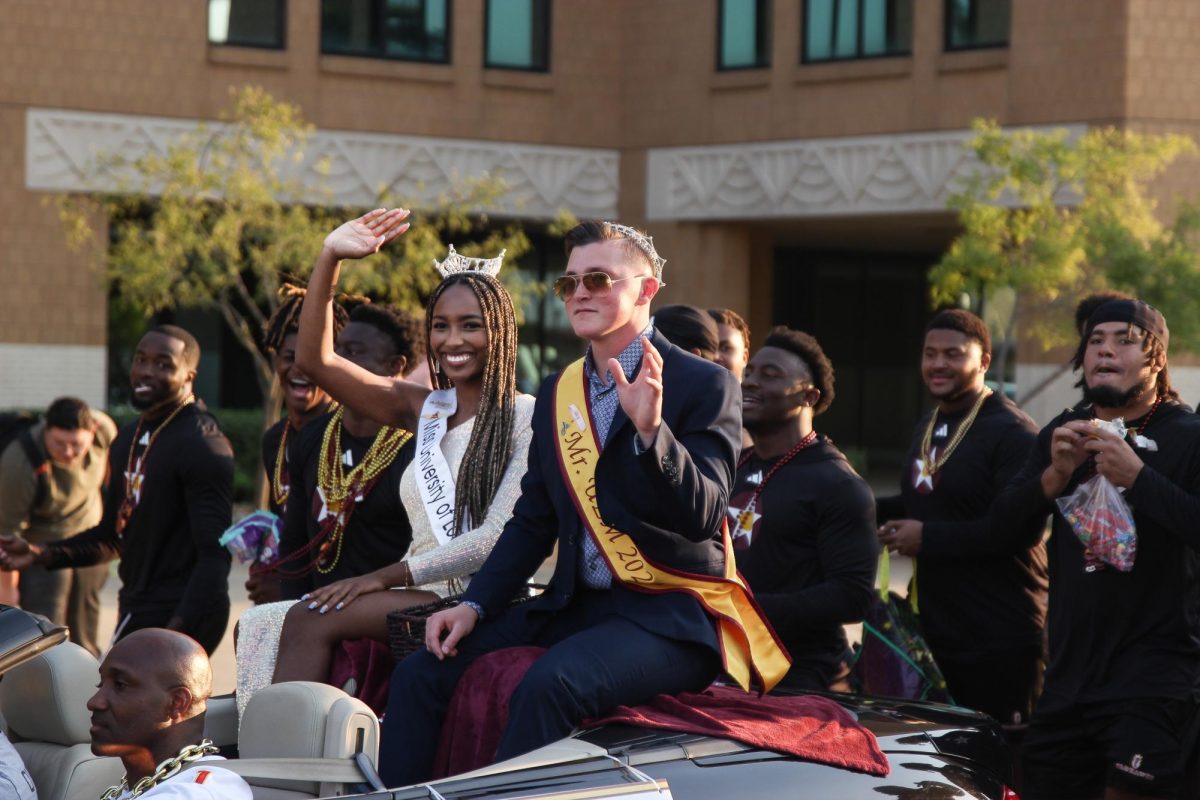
[383,399]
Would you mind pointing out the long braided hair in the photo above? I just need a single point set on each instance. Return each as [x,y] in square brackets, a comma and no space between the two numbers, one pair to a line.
[285,320]
[490,446]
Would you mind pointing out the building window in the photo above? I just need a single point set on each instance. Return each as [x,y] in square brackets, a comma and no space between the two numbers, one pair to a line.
[743,34]
[973,24]
[518,34]
[836,30]
[410,30]
[246,23]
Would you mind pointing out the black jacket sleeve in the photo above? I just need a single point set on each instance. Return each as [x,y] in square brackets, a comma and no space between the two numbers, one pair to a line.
[982,536]
[848,551]
[207,476]
[101,543]
[681,483]
[1022,505]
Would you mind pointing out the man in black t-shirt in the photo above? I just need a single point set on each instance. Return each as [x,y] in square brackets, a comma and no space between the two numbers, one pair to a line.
[803,521]
[980,589]
[337,526]
[1124,655]
[169,499]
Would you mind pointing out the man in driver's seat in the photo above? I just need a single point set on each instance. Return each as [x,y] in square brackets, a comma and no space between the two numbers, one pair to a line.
[149,712]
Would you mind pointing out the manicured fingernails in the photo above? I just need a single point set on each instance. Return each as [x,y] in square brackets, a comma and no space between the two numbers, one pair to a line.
[340,606]
[324,609]
[311,605]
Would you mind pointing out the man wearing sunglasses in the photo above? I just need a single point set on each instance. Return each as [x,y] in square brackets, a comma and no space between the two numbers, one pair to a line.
[629,474]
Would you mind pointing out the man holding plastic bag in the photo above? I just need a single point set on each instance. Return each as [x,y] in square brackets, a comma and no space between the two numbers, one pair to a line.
[1122,475]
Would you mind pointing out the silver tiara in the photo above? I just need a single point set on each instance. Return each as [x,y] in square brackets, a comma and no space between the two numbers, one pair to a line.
[644,243]
[455,263]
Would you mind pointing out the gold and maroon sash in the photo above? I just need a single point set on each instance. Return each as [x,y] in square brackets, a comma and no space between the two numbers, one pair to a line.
[749,648]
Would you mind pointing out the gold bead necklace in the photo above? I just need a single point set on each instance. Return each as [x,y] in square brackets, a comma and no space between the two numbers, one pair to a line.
[340,489]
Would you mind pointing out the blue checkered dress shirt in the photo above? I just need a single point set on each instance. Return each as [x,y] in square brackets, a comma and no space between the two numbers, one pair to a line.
[605,401]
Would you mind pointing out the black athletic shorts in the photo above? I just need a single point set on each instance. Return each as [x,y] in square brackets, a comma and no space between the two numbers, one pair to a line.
[1134,745]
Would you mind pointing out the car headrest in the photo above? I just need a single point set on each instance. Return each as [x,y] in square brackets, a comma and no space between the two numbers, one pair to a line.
[301,719]
[45,699]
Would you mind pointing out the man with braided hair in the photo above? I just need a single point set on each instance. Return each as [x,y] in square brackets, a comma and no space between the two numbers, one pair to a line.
[149,712]
[303,401]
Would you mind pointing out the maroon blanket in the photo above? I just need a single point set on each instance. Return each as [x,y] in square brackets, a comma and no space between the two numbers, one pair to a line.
[370,664]
[809,727]
[806,726]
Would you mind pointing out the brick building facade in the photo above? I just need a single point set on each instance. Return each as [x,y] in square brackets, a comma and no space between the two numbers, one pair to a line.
[791,157]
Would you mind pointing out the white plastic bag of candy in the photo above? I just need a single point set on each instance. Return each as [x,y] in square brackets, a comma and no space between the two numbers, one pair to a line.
[254,537]
[1100,516]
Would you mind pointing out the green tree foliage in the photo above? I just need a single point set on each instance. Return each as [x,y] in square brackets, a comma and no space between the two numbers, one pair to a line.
[212,223]
[1054,216]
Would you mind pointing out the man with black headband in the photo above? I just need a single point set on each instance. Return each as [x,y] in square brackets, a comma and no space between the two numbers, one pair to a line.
[980,590]
[1124,655]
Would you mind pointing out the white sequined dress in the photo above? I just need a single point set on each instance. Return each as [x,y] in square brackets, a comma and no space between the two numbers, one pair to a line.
[436,569]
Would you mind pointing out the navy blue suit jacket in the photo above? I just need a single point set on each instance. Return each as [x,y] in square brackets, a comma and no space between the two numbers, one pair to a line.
[671,499]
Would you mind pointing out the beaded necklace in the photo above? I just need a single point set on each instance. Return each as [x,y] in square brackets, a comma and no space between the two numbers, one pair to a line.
[340,490]
[747,516]
[135,473]
[166,770]
[930,465]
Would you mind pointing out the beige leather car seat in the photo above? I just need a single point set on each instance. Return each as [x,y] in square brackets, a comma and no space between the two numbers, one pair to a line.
[44,702]
[305,720]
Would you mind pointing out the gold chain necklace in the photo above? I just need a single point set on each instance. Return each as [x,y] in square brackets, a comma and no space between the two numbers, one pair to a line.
[279,489]
[279,486]
[339,488]
[959,433]
[134,478]
[166,770]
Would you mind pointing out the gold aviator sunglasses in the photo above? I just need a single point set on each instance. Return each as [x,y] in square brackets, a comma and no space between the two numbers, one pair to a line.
[597,283]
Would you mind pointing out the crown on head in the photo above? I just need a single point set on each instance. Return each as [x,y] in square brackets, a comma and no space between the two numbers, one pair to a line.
[454,263]
[644,243]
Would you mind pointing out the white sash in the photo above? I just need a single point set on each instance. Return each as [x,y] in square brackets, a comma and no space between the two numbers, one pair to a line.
[434,479]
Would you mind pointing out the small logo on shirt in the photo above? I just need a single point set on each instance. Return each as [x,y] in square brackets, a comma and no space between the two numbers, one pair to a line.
[202,775]
[754,479]
[942,431]
[1134,768]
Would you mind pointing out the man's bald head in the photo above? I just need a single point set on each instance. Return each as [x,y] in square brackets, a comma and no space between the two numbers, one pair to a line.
[175,659]
[171,659]
[154,688]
